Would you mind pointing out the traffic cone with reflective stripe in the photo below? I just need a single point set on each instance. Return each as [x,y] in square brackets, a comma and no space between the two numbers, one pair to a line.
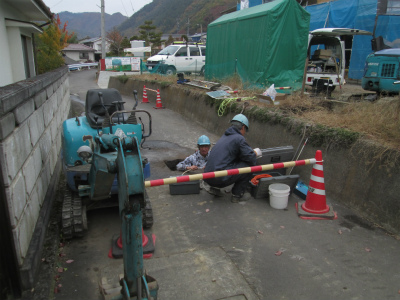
[148,243]
[158,101]
[145,99]
[315,205]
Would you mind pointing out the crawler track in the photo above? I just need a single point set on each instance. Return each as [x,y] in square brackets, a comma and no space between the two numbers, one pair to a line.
[73,215]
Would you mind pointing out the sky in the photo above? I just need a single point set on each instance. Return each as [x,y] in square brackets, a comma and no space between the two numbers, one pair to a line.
[125,7]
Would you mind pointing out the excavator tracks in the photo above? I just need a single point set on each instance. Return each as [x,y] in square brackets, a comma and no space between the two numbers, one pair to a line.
[147,218]
[74,223]
[73,216]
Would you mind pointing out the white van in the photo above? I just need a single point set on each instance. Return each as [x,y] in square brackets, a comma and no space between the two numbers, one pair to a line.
[326,56]
[187,58]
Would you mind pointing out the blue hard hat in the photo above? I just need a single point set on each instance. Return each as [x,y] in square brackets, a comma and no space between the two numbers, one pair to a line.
[203,140]
[242,119]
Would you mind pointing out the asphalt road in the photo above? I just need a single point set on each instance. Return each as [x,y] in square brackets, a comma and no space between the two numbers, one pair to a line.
[209,248]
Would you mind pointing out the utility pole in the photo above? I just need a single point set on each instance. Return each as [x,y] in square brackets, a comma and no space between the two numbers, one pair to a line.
[103,33]
[201,31]
[188,23]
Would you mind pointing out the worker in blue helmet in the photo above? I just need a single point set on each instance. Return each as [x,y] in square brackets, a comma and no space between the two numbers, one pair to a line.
[232,152]
[198,159]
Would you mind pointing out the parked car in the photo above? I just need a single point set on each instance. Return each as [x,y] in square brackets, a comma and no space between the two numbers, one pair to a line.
[182,57]
[382,70]
[326,54]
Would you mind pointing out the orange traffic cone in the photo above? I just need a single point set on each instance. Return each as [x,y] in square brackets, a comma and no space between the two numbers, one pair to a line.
[315,207]
[158,100]
[144,99]
[148,243]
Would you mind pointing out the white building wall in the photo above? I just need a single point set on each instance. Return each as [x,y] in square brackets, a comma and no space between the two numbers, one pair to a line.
[12,64]
[75,56]
[16,57]
[72,55]
[97,46]
[6,70]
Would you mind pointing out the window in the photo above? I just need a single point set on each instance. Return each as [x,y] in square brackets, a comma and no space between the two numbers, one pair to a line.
[194,51]
[393,7]
[25,55]
[388,7]
[182,52]
[83,55]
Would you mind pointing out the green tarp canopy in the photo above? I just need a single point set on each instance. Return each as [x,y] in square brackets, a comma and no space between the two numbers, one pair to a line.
[265,44]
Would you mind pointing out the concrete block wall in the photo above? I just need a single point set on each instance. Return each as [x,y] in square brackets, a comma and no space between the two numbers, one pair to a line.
[31,116]
[364,177]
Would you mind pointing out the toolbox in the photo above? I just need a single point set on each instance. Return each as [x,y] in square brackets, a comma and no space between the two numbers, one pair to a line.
[322,54]
[276,155]
[261,190]
[301,190]
[185,188]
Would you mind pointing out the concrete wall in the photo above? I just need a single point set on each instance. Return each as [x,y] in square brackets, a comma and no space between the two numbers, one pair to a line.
[362,176]
[31,116]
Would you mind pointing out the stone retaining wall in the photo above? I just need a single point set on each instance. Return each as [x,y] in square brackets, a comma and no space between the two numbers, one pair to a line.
[364,177]
[31,116]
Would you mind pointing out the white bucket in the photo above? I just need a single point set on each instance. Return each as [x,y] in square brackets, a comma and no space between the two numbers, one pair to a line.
[279,195]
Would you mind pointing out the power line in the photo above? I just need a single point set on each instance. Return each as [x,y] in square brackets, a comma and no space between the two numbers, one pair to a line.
[133,10]
[124,8]
[57,3]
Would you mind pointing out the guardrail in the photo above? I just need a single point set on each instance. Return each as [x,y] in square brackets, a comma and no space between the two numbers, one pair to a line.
[82,66]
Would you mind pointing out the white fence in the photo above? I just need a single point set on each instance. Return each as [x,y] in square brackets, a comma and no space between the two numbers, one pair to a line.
[78,67]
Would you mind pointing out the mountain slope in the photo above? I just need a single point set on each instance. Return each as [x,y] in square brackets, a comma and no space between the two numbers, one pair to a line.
[89,23]
[171,16]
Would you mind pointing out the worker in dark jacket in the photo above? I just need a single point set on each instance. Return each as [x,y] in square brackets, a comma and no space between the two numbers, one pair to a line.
[232,152]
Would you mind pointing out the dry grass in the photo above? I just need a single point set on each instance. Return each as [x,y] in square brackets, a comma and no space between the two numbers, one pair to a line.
[378,121]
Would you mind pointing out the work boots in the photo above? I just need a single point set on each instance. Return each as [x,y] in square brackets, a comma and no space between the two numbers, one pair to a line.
[245,197]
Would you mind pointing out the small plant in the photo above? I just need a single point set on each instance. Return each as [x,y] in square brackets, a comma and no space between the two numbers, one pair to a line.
[123,78]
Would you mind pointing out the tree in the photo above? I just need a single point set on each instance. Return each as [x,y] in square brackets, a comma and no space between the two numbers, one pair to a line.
[169,41]
[115,39]
[149,35]
[66,38]
[49,46]
[50,43]
[125,43]
[73,39]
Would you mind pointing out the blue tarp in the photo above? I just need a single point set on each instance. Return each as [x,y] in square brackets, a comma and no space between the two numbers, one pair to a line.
[358,14]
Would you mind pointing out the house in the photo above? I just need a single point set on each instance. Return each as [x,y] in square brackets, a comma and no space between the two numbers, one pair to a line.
[199,37]
[79,52]
[17,40]
[96,44]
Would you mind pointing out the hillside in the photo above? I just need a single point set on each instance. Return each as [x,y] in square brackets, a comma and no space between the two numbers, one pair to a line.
[89,23]
[171,16]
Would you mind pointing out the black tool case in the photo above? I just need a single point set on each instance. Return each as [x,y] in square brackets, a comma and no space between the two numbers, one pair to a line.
[276,155]
[185,188]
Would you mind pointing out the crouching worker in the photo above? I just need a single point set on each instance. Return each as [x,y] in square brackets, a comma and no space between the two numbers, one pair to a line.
[232,152]
[197,160]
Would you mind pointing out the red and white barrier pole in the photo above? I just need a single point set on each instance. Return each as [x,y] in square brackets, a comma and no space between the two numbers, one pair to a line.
[165,181]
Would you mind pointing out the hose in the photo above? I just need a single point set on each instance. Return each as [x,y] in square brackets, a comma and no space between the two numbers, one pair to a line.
[257,178]
[224,104]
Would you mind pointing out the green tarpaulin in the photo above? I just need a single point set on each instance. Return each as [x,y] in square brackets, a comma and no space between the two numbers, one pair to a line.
[265,44]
